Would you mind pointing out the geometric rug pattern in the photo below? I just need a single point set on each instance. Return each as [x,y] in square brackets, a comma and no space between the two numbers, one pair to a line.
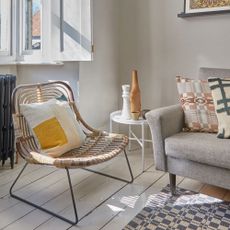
[186,210]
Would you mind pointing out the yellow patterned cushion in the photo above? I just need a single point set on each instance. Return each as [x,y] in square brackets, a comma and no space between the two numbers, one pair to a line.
[50,134]
[54,126]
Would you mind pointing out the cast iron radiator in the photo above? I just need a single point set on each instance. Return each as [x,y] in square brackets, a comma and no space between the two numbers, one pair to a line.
[7,84]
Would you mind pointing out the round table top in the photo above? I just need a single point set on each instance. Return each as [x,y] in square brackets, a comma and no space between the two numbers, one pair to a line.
[116,117]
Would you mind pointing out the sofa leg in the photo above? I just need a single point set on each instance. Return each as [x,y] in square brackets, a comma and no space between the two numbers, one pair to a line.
[172,180]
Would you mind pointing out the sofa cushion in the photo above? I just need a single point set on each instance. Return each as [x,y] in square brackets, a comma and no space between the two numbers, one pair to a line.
[197,103]
[199,147]
[221,96]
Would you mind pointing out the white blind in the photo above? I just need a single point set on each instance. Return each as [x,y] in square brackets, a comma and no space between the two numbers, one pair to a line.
[71,30]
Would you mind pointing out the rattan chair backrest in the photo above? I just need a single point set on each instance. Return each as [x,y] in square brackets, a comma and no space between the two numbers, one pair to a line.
[41,92]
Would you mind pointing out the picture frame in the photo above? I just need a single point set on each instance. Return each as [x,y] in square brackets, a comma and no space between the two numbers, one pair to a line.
[200,6]
[204,7]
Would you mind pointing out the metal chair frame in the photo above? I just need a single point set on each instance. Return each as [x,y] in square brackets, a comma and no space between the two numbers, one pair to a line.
[25,142]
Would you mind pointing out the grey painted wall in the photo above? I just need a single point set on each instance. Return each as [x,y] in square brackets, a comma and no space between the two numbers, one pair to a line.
[145,35]
[100,79]
[161,46]
[36,73]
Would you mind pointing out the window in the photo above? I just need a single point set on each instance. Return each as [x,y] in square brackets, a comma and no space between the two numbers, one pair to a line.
[32,24]
[45,30]
[5,26]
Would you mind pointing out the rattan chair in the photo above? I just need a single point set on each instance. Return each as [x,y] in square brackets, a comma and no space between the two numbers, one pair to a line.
[98,148]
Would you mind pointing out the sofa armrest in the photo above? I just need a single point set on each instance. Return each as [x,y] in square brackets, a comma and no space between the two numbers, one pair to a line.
[164,122]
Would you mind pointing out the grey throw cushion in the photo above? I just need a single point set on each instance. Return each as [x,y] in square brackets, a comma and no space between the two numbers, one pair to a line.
[199,147]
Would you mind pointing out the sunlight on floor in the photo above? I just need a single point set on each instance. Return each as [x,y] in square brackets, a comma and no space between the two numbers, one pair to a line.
[159,200]
[130,201]
[196,199]
[115,208]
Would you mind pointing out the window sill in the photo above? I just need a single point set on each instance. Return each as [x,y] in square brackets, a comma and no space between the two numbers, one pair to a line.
[31,63]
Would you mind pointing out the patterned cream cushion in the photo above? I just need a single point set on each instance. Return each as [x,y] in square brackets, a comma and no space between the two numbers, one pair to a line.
[197,103]
[221,96]
[54,126]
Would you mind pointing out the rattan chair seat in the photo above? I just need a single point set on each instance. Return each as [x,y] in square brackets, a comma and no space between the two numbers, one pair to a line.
[99,146]
[97,149]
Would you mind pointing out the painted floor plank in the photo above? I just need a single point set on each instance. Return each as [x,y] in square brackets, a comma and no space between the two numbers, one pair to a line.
[127,196]
[45,195]
[132,158]
[91,202]
[120,201]
[123,218]
[30,176]
[191,184]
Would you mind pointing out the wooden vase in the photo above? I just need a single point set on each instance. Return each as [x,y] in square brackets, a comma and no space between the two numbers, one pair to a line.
[135,94]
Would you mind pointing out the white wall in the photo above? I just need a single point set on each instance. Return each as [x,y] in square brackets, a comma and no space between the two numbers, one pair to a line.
[161,45]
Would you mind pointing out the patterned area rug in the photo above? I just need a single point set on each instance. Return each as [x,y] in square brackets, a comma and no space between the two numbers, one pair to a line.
[186,210]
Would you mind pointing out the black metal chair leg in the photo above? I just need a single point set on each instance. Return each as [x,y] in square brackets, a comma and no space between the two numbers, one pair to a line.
[130,170]
[113,177]
[72,196]
[43,209]
[11,188]
[71,191]
[172,180]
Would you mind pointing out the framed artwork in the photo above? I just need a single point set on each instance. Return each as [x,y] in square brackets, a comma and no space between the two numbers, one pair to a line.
[199,6]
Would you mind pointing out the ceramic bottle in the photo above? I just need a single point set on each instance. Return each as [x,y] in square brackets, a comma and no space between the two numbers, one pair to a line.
[135,94]
[125,113]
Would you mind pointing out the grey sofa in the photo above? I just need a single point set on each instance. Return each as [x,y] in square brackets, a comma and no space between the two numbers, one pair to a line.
[200,156]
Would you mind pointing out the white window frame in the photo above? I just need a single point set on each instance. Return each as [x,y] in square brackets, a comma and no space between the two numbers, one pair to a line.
[8,14]
[28,55]
[17,53]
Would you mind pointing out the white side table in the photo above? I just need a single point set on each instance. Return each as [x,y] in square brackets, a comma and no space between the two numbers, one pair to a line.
[116,117]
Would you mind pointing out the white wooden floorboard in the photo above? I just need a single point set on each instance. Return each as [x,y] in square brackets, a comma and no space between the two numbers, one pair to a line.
[122,202]
[41,197]
[9,177]
[128,196]
[123,218]
[30,176]
[6,169]
[91,191]
[191,184]
[30,189]
[97,195]
[33,189]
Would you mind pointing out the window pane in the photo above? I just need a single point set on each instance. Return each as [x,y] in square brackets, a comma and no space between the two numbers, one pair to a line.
[4,25]
[32,24]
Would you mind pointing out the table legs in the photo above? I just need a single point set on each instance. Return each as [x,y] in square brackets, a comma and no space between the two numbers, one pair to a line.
[140,141]
[143,146]
[110,126]
[130,135]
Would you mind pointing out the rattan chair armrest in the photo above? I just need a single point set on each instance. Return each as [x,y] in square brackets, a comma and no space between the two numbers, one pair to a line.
[32,156]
